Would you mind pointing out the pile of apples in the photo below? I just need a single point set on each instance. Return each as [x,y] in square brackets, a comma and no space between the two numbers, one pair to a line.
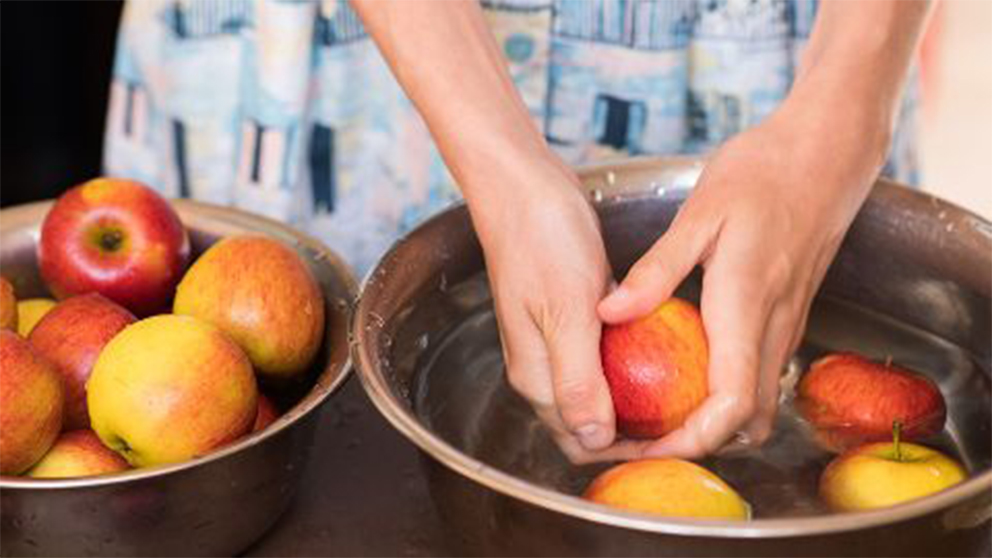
[864,411]
[107,378]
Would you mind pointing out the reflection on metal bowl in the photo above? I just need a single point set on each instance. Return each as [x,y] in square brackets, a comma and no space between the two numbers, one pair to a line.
[213,505]
[913,280]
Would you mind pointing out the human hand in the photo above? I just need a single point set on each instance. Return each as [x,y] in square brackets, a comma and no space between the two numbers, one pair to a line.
[764,222]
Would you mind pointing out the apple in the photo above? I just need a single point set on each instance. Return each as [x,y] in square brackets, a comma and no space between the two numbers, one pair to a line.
[656,369]
[850,400]
[31,400]
[116,237]
[262,294]
[71,337]
[78,453]
[883,474]
[267,413]
[30,311]
[170,388]
[668,487]
[8,306]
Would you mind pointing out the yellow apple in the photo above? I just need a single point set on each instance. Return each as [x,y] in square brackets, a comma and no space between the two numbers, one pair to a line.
[668,487]
[31,402]
[30,311]
[170,388]
[78,453]
[262,294]
[884,474]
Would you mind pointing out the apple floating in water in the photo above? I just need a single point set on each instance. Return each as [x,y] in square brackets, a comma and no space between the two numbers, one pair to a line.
[670,488]
[883,474]
[656,369]
[850,400]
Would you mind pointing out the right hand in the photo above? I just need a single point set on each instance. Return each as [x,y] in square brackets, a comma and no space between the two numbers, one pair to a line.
[548,270]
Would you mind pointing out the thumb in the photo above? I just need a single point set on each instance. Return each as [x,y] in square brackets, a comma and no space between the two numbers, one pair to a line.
[581,392]
[655,276]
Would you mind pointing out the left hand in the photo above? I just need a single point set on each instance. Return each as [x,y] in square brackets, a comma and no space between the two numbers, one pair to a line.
[765,221]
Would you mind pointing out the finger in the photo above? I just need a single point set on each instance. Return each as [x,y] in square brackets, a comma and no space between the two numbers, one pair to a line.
[657,274]
[734,318]
[581,392]
[775,352]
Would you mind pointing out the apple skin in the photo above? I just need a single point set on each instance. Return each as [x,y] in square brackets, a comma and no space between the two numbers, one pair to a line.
[71,337]
[850,400]
[8,306]
[267,413]
[116,237]
[78,453]
[31,402]
[30,312]
[670,488]
[656,367]
[262,294]
[170,388]
[870,476]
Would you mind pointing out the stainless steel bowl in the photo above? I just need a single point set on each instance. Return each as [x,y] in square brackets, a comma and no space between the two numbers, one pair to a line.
[214,505]
[913,280]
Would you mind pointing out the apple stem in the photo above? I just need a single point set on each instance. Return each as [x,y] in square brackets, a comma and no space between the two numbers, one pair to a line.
[888,361]
[896,438]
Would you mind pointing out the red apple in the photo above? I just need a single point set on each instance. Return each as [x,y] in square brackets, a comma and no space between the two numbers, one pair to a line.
[8,306]
[267,413]
[78,453]
[656,369]
[31,401]
[71,336]
[850,400]
[118,238]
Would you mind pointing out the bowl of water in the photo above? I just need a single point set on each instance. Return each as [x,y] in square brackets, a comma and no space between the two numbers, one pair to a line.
[913,281]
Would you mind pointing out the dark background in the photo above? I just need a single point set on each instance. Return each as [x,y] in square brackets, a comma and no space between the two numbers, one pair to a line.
[55,61]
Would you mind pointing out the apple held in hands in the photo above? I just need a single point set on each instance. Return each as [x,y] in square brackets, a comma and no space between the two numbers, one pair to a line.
[78,453]
[262,294]
[8,306]
[31,401]
[118,238]
[71,337]
[850,400]
[30,312]
[656,369]
[171,388]
[883,474]
[668,487]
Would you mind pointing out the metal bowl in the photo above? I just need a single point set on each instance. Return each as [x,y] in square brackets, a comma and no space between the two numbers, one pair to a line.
[913,280]
[217,504]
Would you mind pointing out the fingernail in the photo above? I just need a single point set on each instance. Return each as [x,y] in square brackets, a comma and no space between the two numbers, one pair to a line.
[592,437]
[617,296]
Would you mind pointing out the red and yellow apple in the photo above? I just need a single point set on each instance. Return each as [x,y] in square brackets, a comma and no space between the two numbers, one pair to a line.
[850,400]
[267,413]
[8,306]
[171,388]
[78,453]
[656,369]
[31,400]
[30,311]
[262,294]
[670,488]
[883,474]
[71,337]
[116,237]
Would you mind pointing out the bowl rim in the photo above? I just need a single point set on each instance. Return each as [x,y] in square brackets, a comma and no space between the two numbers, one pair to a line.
[30,211]
[375,385]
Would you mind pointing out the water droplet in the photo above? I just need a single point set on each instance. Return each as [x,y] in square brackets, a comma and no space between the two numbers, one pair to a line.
[942,215]
[611,178]
[949,227]
[596,194]
[660,191]
[423,341]
[443,283]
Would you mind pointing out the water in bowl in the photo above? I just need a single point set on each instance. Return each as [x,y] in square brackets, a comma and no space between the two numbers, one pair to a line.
[460,392]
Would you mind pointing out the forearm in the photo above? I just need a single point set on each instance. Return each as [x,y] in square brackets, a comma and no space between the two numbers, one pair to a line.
[447,61]
[853,70]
